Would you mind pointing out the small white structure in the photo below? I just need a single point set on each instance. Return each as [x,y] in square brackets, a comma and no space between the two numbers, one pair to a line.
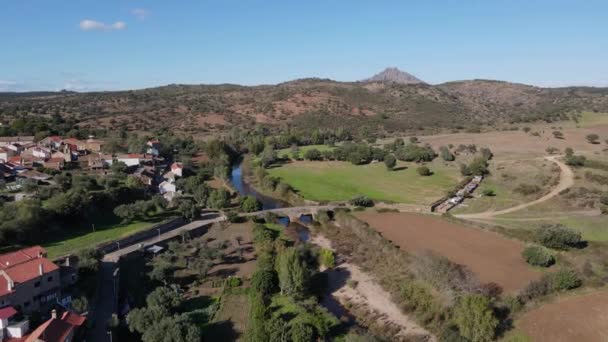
[41,152]
[166,187]
[9,328]
[177,169]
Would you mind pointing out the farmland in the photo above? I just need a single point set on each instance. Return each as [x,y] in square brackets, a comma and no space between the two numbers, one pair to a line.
[339,181]
[573,318]
[490,256]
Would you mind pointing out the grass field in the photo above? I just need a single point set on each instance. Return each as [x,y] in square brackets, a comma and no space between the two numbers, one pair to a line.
[107,228]
[504,178]
[339,181]
[303,149]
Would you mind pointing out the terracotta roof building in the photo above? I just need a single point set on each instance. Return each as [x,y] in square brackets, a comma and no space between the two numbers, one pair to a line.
[28,279]
[57,329]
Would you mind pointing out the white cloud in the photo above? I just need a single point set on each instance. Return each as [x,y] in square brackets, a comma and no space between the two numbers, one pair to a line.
[90,25]
[140,13]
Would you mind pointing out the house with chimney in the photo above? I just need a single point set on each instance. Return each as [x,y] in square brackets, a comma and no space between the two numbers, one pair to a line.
[59,328]
[28,280]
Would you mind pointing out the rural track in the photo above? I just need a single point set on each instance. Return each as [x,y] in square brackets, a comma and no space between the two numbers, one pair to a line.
[566,180]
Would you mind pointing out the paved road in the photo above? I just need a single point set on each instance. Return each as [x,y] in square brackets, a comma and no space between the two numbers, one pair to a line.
[566,180]
[105,305]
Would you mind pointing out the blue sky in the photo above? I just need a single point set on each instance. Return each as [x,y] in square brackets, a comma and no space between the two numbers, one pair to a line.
[124,44]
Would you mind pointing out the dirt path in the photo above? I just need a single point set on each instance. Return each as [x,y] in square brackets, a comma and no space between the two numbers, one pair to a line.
[566,180]
[369,293]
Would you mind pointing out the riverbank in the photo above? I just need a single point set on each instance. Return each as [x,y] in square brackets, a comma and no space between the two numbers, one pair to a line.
[272,189]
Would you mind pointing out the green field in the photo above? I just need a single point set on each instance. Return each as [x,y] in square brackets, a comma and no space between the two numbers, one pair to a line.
[107,228]
[592,228]
[303,149]
[339,181]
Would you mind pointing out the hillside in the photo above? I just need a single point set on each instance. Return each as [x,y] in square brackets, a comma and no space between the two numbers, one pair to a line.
[386,106]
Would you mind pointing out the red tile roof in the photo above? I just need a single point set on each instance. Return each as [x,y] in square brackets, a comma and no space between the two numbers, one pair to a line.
[22,255]
[30,270]
[7,312]
[56,329]
[23,265]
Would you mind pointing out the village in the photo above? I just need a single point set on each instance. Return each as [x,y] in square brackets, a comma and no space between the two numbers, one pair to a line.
[23,160]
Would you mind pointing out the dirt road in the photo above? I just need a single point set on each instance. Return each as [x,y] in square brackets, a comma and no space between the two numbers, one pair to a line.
[566,180]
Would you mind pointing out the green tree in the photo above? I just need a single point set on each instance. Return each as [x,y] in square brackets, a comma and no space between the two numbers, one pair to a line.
[302,332]
[119,167]
[126,212]
[188,210]
[250,204]
[218,199]
[423,171]
[558,236]
[446,154]
[164,297]
[264,281]
[313,154]
[293,272]
[390,161]
[474,318]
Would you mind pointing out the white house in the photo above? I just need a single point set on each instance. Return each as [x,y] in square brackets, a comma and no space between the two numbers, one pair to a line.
[41,152]
[5,154]
[167,187]
[129,159]
[177,169]
[10,328]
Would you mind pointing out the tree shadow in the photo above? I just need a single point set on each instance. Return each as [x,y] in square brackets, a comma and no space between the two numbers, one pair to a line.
[400,168]
[221,331]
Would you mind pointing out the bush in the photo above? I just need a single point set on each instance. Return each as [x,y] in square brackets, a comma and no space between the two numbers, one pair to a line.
[265,282]
[423,171]
[488,192]
[593,138]
[474,318]
[390,161]
[362,201]
[564,279]
[558,236]
[326,258]
[573,160]
[233,282]
[313,154]
[538,256]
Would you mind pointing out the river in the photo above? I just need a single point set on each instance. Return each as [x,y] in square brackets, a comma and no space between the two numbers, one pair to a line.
[244,189]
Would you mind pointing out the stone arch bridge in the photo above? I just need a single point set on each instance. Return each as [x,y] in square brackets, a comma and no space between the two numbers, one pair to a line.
[294,213]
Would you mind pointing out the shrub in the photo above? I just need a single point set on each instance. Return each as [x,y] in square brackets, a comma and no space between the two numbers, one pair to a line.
[474,318]
[233,282]
[593,138]
[558,236]
[265,281]
[446,154]
[564,279]
[423,171]
[538,256]
[326,258]
[390,161]
[313,154]
[535,289]
[573,160]
[362,201]
[488,192]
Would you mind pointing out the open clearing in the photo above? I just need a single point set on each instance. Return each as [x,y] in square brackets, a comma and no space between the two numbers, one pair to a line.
[340,181]
[573,318]
[230,323]
[492,257]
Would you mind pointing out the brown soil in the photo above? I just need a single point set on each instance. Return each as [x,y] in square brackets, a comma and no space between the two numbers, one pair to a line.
[576,318]
[492,257]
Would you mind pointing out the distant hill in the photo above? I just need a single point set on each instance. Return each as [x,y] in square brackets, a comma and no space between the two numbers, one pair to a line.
[312,103]
[394,75]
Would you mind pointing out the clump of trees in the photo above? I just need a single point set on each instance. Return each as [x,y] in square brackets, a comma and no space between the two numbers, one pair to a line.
[474,317]
[162,320]
[291,273]
[538,256]
[415,153]
[593,138]
[558,236]
[446,154]
[362,201]
[390,162]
